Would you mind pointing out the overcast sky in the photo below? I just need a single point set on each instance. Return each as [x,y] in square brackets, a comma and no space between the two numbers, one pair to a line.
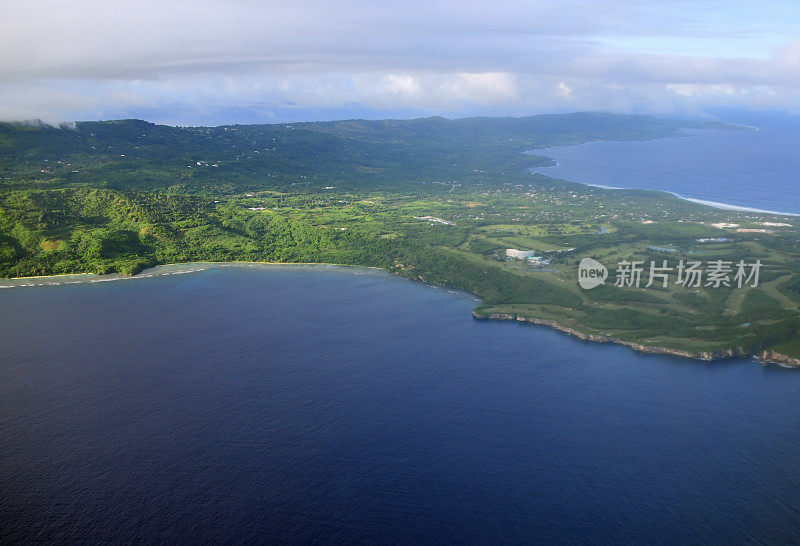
[211,62]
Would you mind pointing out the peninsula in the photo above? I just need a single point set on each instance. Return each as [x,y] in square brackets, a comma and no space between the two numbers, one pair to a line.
[435,200]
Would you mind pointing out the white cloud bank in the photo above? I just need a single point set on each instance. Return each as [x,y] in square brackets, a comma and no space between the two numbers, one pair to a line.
[209,61]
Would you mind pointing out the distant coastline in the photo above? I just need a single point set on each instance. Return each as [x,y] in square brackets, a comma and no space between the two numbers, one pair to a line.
[691,132]
[713,204]
[726,206]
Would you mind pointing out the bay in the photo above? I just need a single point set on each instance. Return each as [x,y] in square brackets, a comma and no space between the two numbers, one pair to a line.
[309,404]
[757,168]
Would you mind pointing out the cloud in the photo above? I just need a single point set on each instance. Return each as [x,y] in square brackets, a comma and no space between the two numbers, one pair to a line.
[692,90]
[406,86]
[192,61]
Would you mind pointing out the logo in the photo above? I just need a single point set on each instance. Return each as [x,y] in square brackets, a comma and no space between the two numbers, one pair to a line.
[690,274]
[591,273]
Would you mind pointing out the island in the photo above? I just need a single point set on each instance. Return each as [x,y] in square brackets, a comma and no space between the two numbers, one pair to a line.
[447,202]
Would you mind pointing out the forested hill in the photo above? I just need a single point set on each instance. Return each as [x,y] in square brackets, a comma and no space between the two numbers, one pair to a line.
[355,154]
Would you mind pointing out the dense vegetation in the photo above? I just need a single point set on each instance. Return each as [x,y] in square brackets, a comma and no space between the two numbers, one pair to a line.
[434,200]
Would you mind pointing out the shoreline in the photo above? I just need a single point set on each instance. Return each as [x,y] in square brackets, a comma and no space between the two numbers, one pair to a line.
[705,202]
[712,204]
[764,357]
[726,206]
[155,271]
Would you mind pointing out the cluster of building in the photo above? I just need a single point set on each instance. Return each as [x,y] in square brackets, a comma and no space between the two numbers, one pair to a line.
[527,255]
[434,220]
[753,230]
[713,240]
[728,225]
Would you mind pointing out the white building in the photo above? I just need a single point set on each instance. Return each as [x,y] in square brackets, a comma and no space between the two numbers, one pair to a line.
[520,254]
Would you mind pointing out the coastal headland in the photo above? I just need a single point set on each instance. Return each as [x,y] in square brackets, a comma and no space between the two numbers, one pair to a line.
[116,198]
[765,357]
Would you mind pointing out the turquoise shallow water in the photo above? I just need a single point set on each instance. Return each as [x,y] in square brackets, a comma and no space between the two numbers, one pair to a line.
[331,404]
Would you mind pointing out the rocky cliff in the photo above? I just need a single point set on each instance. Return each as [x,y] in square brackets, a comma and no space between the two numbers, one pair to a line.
[764,357]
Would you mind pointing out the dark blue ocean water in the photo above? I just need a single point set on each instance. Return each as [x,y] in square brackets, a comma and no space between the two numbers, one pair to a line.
[304,405]
[755,169]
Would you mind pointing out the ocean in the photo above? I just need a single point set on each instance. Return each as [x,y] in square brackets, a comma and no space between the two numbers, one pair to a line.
[325,404]
[757,168]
